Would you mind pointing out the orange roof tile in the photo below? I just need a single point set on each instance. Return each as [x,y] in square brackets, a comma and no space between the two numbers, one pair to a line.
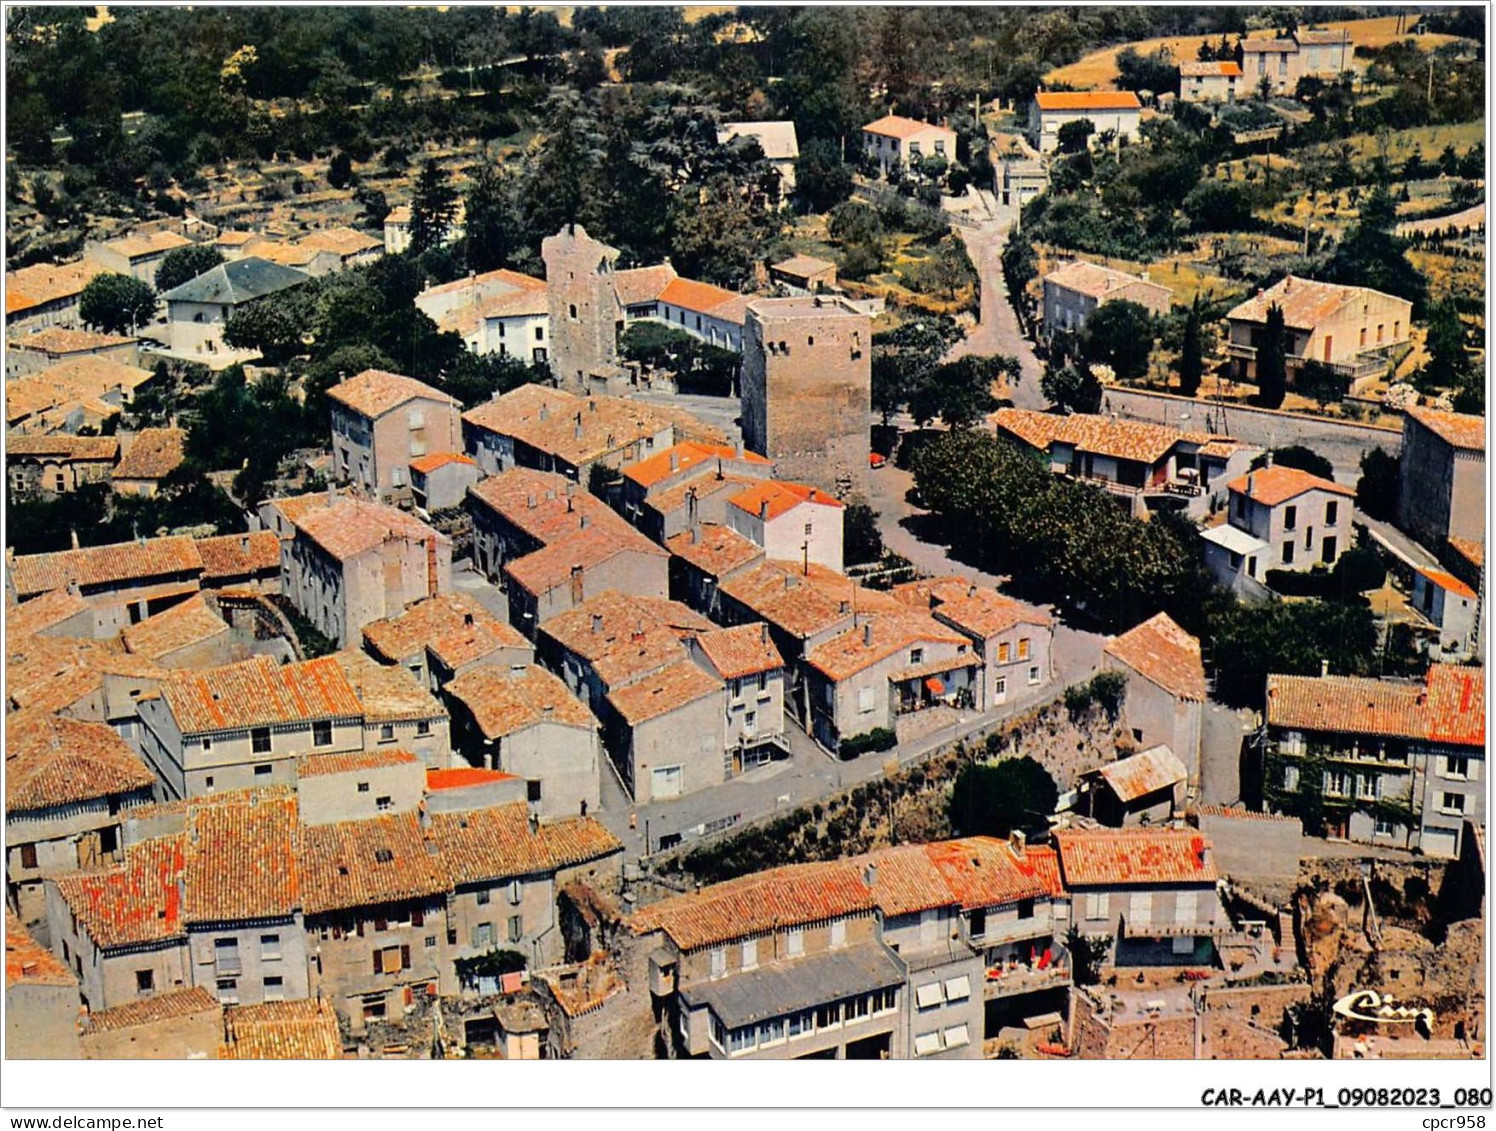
[574,429]
[386,693]
[621,637]
[1126,857]
[638,285]
[779,496]
[876,640]
[44,612]
[503,701]
[701,297]
[1087,100]
[27,962]
[58,340]
[375,392]
[1448,706]
[1459,430]
[715,550]
[1235,814]
[1162,652]
[892,125]
[511,279]
[976,609]
[240,858]
[352,762]
[186,623]
[429,463]
[149,560]
[63,448]
[42,283]
[454,626]
[662,691]
[703,486]
[1210,68]
[1145,772]
[163,1009]
[463,777]
[154,454]
[342,241]
[684,457]
[1277,484]
[282,1030]
[369,862]
[1097,281]
[141,245]
[259,692]
[348,527]
[552,566]
[737,652]
[801,602]
[1305,302]
[239,555]
[497,843]
[543,505]
[137,901]
[1121,439]
[1472,551]
[1449,581]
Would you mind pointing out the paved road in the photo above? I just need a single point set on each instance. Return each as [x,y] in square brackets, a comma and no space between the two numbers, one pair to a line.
[997,329]
[722,412]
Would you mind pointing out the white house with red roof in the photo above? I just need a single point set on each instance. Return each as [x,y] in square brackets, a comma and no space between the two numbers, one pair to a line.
[1115,111]
[1302,520]
[793,522]
[1210,80]
[1166,691]
[894,141]
[1455,609]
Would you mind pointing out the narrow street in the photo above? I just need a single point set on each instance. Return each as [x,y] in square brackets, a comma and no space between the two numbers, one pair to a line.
[997,330]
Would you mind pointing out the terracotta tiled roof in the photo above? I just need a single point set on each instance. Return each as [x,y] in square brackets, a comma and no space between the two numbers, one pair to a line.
[1087,100]
[551,566]
[891,125]
[485,845]
[502,701]
[375,392]
[1472,551]
[63,448]
[1122,439]
[105,565]
[688,426]
[663,691]
[400,214]
[488,281]
[705,485]
[259,692]
[386,693]
[538,503]
[1127,857]
[1459,430]
[352,762]
[1254,46]
[27,962]
[429,463]
[42,283]
[1143,773]
[1277,484]
[1305,302]
[1323,35]
[464,777]
[186,623]
[801,603]
[682,458]
[780,497]
[621,637]
[1449,706]
[876,640]
[454,626]
[44,612]
[137,901]
[744,650]
[155,454]
[348,527]
[341,241]
[138,246]
[1210,68]
[704,298]
[54,673]
[678,618]
[976,609]
[802,265]
[239,555]
[281,1030]
[976,872]
[1162,652]
[1045,863]
[296,507]
[1235,814]
[571,428]
[240,860]
[777,139]
[235,239]
[1095,280]
[1448,581]
[59,340]
[715,550]
[638,285]
[159,1009]
[365,863]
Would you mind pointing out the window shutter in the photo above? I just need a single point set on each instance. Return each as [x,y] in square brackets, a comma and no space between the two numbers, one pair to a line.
[378,963]
[358,927]
[417,918]
[405,957]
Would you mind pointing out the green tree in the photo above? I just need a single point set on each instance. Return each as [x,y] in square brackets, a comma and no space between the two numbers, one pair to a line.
[1320,383]
[1372,255]
[1190,364]
[116,304]
[493,225]
[822,179]
[433,208]
[274,327]
[1073,388]
[859,230]
[1248,642]
[1380,483]
[1299,457]
[185,263]
[1449,363]
[994,800]
[862,542]
[1119,334]
[960,392]
[1272,360]
[1219,206]
[1075,136]
[340,170]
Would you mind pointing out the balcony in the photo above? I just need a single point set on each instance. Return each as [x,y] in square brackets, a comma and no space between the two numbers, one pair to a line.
[1024,980]
[1370,362]
[1016,930]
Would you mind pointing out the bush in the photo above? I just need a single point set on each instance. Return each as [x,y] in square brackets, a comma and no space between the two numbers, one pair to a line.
[874,741]
[993,800]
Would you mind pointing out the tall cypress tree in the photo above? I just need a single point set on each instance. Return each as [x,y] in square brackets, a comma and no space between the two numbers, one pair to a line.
[1272,364]
[433,207]
[1191,365]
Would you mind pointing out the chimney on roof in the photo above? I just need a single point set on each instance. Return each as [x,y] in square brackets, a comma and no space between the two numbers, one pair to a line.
[674,460]
[1268,456]
[789,581]
[763,511]
[422,816]
[1423,696]
[971,590]
[467,618]
[867,633]
[1018,843]
[1205,854]
[763,632]
[534,822]
[691,535]
[597,622]
[577,431]
[1288,284]
[1324,668]
[584,521]
[591,404]
[846,606]
[530,501]
[870,875]
[568,504]
[73,534]
[545,410]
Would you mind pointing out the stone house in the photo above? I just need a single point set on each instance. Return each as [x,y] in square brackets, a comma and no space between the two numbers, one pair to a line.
[440,481]
[1452,607]
[586,315]
[687,483]
[398,711]
[445,636]
[138,255]
[1283,60]
[519,511]
[807,389]
[187,635]
[1118,112]
[1164,702]
[1381,761]
[1212,81]
[525,721]
[81,394]
[41,999]
[176,1025]
[241,561]
[29,354]
[804,274]
[753,679]
[45,466]
[146,459]
[665,734]
[899,143]
[1152,890]
[1073,292]
[595,559]
[353,562]
[552,430]
[1356,331]
[701,559]
[780,145]
[1303,520]
[45,295]
[358,784]
[198,310]
[66,784]
[124,582]
[1146,788]
[790,521]
[886,667]
[1443,468]
[381,422]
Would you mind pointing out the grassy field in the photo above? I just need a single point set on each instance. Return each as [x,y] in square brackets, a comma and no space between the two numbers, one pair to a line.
[1186,273]
[1430,139]
[1098,70]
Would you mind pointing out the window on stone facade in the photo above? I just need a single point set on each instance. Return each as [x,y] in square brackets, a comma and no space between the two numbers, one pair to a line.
[516,928]
[386,732]
[484,898]
[794,941]
[259,740]
[145,982]
[1453,803]
[384,804]
[423,728]
[839,933]
[322,734]
[1456,766]
[28,856]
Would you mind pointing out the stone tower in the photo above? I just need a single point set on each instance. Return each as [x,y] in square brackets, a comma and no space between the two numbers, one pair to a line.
[586,317]
[807,390]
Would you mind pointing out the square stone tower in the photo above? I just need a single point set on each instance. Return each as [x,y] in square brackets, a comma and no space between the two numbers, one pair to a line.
[586,316]
[807,390]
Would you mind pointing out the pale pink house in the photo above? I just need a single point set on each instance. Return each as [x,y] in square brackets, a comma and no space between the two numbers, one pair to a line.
[381,422]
